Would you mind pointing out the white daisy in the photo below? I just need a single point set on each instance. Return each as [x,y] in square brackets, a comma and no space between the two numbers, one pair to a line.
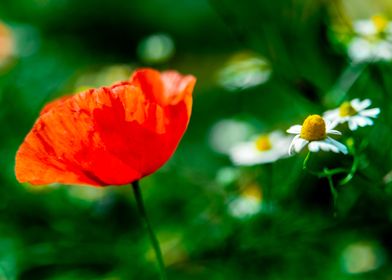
[354,112]
[314,133]
[262,149]
[373,40]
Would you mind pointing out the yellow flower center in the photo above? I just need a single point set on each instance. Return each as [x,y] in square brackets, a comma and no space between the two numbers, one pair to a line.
[263,143]
[380,22]
[252,191]
[313,128]
[346,110]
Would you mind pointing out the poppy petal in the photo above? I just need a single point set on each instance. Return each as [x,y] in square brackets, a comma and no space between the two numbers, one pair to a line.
[107,136]
[53,104]
[167,88]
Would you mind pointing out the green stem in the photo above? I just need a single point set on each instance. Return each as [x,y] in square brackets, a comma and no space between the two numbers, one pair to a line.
[355,165]
[328,173]
[268,181]
[305,163]
[151,234]
[333,192]
[332,187]
[334,171]
[325,173]
[352,172]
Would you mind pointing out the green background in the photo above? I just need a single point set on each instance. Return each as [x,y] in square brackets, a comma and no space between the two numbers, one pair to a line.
[72,232]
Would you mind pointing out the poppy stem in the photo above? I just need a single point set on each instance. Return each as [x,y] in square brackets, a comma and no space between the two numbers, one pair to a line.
[147,225]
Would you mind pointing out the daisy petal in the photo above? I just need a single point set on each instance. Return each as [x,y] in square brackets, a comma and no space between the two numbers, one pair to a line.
[283,144]
[365,27]
[360,50]
[325,146]
[333,131]
[244,154]
[383,50]
[355,102]
[331,114]
[370,112]
[314,146]
[365,103]
[329,124]
[362,121]
[360,105]
[277,135]
[352,125]
[295,129]
[342,148]
[291,147]
[300,144]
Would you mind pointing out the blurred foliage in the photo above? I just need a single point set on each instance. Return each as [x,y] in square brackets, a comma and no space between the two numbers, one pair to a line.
[71,232]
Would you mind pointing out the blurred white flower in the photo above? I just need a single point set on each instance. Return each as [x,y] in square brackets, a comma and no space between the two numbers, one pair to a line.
[87,194]
[314,133]
[227,175]
[7,44]
[362,257]
[156,48]
[373,40]
[262,149]
[354,112]
[244,70]
[227,133]
[247,204]
[103,76]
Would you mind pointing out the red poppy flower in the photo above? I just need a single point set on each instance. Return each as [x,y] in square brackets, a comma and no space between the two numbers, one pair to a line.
[110,135]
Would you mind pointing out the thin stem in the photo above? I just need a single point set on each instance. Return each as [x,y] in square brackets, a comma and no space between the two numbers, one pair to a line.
[268,182]
[334,171]
[325,173]
[352,172]
[333,191]
[151,234]
[355,164]
[305,163]
[328,173]
[332,188]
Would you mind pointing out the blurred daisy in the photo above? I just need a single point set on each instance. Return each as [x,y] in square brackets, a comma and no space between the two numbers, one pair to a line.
[354,112]
[248,203]
[314,133]
[263,149]
[6,44]
[99,77]
[227,133]
[227,175]
[373,40]
[244,70]
[362,257]
[156,48]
